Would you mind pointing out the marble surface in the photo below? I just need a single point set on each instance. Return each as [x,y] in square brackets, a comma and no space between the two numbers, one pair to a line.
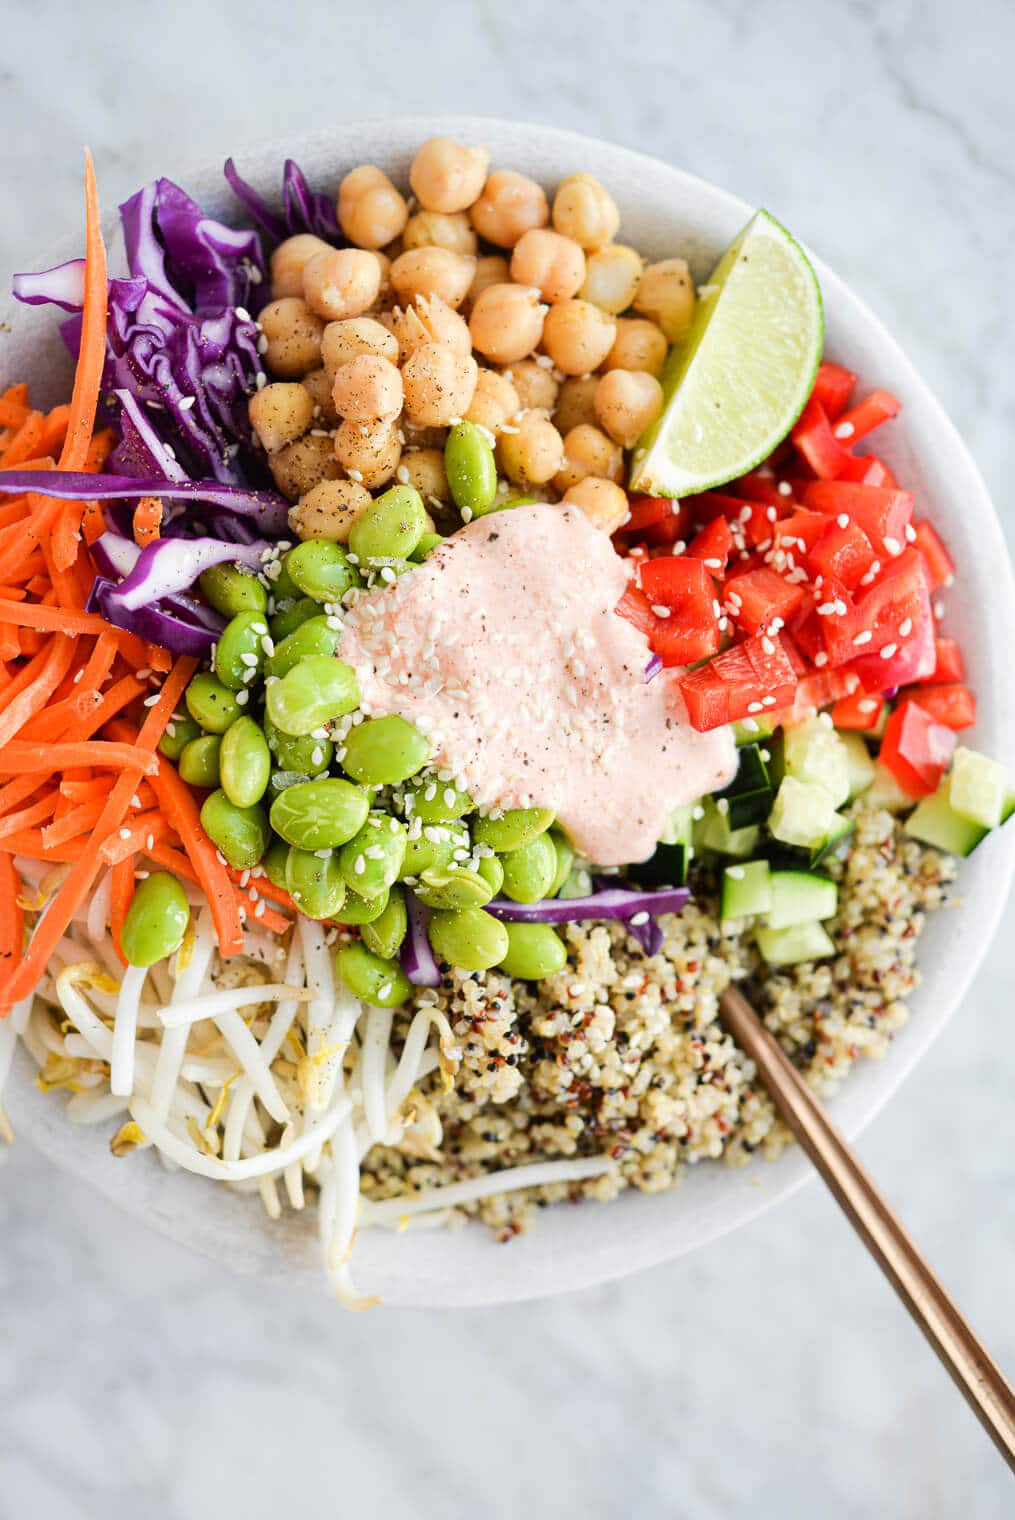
[775,1374]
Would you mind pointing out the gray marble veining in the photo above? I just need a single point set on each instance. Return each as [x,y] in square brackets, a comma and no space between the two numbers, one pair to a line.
[774,1375]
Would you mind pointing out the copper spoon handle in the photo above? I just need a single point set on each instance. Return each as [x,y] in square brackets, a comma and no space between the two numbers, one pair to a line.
[979,1380]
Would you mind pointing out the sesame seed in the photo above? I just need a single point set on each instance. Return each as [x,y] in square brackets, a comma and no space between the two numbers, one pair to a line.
[867,705]
[820,658]
[754,707]
[844,430]
[843,519]
[910,534]
[784,488]
[125,833]
[863,638]
[736,872]
[906,627]
[893,546]
[889,650]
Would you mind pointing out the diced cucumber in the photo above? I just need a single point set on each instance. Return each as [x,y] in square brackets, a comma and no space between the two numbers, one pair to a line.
[679,827]
[714,833]
[800,942]
[749,794]
[746,890]
[750,730]
[841,830]
[859,765]
[802,814]
[878,731]
[1008,808]
[885,792]
[666,868]
[814,753]
[977,787]
[798,897]
[936,822]
[578,884]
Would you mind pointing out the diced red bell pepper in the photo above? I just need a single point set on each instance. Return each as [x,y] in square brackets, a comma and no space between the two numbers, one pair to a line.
[644,511]
[954,706]
[635,606]
[861,711]
[750,518]
[896,614]
[763,488]
[713,545]
[916,749]
[844,553]
[744,680]
[833,386]
[948,663]
[682,639]
[668,531]
[868,470]
[673,580]
[817,443]
[823,687]
[759,597]
[939,563]
[798,533]
[683,585]
[868,414]
[883,514]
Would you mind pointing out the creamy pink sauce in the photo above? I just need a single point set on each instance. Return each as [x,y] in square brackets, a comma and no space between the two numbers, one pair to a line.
[505,650]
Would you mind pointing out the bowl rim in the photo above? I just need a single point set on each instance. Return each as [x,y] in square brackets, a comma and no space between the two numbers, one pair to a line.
[558,1271]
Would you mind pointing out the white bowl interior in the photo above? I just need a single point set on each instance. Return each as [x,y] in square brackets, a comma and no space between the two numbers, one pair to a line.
[665,212]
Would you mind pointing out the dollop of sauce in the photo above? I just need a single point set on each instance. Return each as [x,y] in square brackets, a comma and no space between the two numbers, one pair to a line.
[504,648]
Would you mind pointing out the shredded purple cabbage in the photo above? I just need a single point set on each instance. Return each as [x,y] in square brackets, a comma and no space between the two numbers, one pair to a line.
[269,510]
[64,285]
[653,667]
[171,565]
[303,209]
[622,903]
[180,623]
[197,264]
[417,958]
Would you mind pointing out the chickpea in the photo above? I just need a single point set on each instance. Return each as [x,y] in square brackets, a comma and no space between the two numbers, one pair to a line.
[639,344]
[575,404]
[439,385]
[384,265]
[441,229]
[428,320]
[530,451]
[368,451]
[578,336]
[666,294]
[293,333]
[279,414]
[611,278]
[510,204]
[344,282]
[535,384]
[627,402]
[290,259]
[585,211]
[588,451]
[424,469]
[371,212]
[554,264]
[318,386]
[328,510]
[433,272]
[494,402]
[603,502]
[507,322]
[367,389]
[491,269]
[299,466]
[342,341]
[446,175]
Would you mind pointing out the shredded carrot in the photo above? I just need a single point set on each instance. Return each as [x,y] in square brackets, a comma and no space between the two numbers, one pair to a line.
[78,791]
[79,820]
[29,816]
[171,860]
[121,892]
[177,802]
[12,918]
[56,659]
[13,414]
[92,352]
[25,441]
[53,619]
[134,836]
[93,522]
[54,429]
[18,758]
[147,520]
[17,790]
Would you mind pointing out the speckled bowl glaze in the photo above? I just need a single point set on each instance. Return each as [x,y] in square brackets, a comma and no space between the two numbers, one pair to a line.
[664,212]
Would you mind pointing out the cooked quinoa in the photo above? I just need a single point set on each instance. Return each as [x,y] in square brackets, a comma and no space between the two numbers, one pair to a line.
[624,1053]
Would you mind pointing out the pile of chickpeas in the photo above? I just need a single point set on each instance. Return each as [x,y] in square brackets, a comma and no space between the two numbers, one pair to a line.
[473,300]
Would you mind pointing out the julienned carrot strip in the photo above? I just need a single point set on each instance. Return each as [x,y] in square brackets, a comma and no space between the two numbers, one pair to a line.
[67,534]
[54,429]
[172,860]
[83,714]
[52,619]
[28,842]
[100,661]
[69,590]
[79,820]
[13,414]
[25,441]
[92,351]
[19,758]
[21,681]
[264,888]
[93,522]
[56,660]
[13,593]
[133,838]
[10,644]
[15,792]
[80,791]
[147,520]
[177,803]
[28,817]
[121,880]
[17,393]
[99,450]
[12,918]
[13,511]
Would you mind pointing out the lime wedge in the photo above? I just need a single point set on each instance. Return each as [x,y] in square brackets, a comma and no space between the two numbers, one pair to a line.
[740,380]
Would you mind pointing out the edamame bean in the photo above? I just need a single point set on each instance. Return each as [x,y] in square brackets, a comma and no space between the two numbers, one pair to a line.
[314,883]
[529,871]
[435,801]
[453,887]
[244,762]
[579,883]
[372,859]
[385,933]
[565,860]
[321,569]
[372,978]
[274,860]
[427,544]
[391,527]
[156,920]
[231,589]
[283,587]
[435,848]
[313,636]
[383,751]
[361,910]
[302,753]
[513,829]
[291,615]
[239,655]
[469,938]
[241,834]
[471,468]
[278,781]
[492,871]
[316,690]
[512,501]
[211,704]
[319,815]
[199,763]
[534,951]
[178,734]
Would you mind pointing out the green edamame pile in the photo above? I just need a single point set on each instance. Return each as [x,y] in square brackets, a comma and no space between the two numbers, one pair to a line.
[340,808]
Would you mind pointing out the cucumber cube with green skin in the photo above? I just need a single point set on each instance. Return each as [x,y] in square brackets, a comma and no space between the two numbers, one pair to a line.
[800,942]
[679,827]
[750,730]
[885,792]
[715,834]
[936,822]
[841,831]
[802,814]
[1009,807]
[813,752]
[859,765]
[798,897]
[746,890]
[749,794]
[977,787]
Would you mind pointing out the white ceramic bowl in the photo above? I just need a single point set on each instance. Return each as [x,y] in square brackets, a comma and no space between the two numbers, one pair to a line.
[664,212]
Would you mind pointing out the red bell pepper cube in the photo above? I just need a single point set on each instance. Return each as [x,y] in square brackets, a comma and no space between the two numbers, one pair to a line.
[817,443]
[868,414]
[635,606]
[954,706]
[687,629]
[916,749]
[762,488]
[860,712]
[682,639]
[713,545]
[939,563]
[833,386]
[868,470]
[673,580]
[883,514]
[823,687]
[758,597]
[746,679]
[844,553]
[644,511]
[893,627]
[668,531]
[750,518]
[798,533]
[948,663]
